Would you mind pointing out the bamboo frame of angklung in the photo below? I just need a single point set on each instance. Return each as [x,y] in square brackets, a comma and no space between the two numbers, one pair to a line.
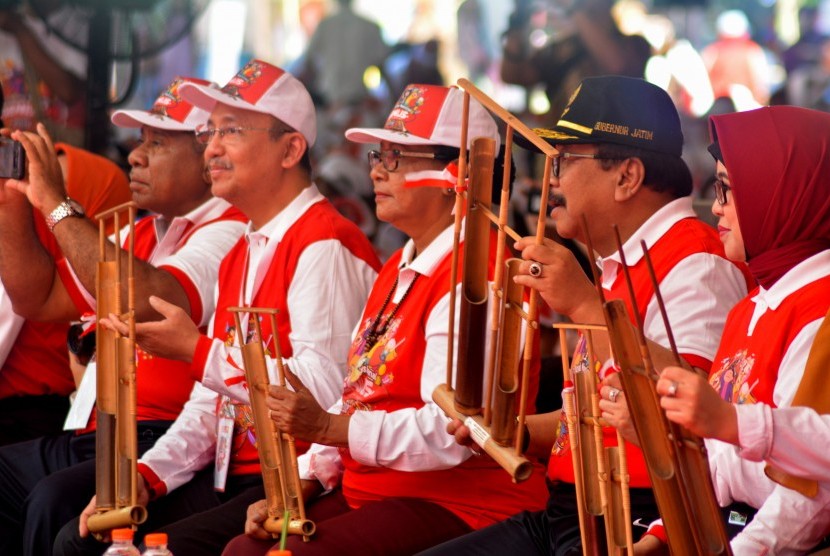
[277,451]
[600,473]
[490,411]
[116,437]
[676,459]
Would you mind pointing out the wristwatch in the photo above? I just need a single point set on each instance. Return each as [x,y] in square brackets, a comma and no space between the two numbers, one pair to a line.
[69,207]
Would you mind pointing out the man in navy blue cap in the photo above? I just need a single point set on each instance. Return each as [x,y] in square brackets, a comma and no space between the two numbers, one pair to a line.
[619,143]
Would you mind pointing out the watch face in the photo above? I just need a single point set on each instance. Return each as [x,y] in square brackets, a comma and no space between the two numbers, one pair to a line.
[76,206]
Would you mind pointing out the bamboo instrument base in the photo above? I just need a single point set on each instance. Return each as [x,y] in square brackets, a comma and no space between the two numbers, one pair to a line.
[127,516]
[516,465]
[304,527]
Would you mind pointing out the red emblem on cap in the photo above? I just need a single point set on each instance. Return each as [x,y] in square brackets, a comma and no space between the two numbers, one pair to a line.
[417,110]
[253,81]
[170,104]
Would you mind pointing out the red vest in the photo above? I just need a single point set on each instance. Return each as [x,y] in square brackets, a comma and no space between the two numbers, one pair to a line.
[685,238]
[319,223]
[388,378]
[746,365]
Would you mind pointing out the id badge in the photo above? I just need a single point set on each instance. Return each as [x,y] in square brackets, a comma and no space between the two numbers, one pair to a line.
[224,442]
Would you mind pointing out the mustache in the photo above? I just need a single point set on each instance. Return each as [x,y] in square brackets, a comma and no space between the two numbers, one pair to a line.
[218,164]
[556,200]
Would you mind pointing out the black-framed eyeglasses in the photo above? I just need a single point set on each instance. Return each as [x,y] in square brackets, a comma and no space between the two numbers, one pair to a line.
[392,157]
[720,191]
[228,135]
[557,160]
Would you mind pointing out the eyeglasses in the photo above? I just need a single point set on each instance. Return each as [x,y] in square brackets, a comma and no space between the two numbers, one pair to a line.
[720,191]
[391,158]
[229,135]
[557,160]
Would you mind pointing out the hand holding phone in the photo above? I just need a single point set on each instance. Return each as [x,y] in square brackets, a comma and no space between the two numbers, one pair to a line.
[12,159]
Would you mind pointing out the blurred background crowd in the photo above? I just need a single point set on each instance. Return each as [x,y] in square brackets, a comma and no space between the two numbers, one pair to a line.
[70,62]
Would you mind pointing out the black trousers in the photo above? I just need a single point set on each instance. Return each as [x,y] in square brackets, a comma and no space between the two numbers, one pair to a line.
[46,482]
[28,417]
[553,532]
[197,519]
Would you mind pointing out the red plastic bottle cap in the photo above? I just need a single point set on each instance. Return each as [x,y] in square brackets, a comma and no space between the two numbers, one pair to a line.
[279,553]
[155,539]
[122,534]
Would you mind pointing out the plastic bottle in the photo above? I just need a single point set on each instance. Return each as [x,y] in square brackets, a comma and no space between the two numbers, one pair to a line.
[156,545]
[122,544]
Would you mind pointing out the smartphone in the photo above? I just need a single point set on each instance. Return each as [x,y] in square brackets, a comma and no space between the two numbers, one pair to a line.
[12,159]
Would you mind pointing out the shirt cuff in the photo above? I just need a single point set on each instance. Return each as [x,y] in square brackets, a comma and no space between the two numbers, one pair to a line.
[657,529]
[155,486]
[191,291]
[200,357]
[754,431]
[364,433]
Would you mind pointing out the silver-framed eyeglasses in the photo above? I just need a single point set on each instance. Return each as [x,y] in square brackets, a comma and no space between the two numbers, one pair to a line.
[228,135]
[557,160]
[720,191]
[392,157]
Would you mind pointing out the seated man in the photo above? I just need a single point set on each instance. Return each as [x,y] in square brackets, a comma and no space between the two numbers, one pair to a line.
[298,255]
[47,481]
[619,143]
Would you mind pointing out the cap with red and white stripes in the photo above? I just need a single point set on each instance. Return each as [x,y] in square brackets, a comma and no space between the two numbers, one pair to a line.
[430,115]
[264,88]
[169,112]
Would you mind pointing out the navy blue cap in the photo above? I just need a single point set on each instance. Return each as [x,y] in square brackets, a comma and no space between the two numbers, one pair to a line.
[621,110]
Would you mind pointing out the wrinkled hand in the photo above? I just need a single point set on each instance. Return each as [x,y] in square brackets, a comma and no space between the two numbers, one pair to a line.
[142,499]
[689,400]
[43,184]
[173,337]
[297,412]
[462,435]
[89,511]
[614,408]
[562,283]
[257,514]
[649,545]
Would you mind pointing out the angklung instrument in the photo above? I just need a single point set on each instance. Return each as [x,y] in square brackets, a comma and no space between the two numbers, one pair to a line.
[116,436]
[494,409]
[600,472]
[277,450]
[677,462]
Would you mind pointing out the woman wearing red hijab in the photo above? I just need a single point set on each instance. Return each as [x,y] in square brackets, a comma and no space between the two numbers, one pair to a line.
[773,205]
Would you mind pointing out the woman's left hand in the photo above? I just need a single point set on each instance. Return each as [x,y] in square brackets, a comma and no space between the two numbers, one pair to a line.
[614,408]
[297,412]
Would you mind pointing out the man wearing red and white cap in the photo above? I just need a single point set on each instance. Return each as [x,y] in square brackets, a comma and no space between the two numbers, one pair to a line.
[298,255]
[47,481]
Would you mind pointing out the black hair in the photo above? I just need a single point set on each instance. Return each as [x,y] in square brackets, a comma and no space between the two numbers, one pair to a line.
[663,172]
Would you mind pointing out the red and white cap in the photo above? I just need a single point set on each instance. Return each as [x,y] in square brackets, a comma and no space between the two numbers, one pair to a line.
[430,115]
[264,88]
[169,112]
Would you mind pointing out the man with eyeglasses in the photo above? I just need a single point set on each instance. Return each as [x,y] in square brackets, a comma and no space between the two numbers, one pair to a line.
[299,256]
[46,482]
[619,163]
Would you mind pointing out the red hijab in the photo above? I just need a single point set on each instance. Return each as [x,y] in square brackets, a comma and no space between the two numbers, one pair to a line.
[778,161]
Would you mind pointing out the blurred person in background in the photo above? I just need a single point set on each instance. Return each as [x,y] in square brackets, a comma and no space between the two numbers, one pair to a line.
[42,76]
[583,41]
[737,65]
